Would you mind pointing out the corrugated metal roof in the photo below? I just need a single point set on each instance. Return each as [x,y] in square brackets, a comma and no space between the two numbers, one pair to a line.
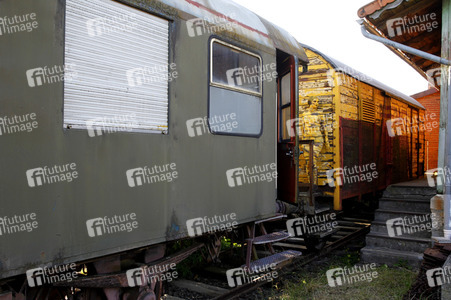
[249,24]
[339,66]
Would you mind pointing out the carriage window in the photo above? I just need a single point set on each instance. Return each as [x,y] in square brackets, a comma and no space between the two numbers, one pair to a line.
[286,104]
[236,69]
[235,103]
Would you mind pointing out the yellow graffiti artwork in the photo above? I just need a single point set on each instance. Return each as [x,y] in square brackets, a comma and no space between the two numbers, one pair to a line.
[313,127]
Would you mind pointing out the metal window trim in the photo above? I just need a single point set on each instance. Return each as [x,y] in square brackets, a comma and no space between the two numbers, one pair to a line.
[281,106]
[256,136]
[233,88]
[134,130]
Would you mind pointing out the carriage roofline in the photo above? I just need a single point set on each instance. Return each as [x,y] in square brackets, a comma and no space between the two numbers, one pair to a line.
[247,24]
[339,66]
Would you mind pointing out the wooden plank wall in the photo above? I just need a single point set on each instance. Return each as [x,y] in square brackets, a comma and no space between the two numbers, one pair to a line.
[318,83]
[363,111]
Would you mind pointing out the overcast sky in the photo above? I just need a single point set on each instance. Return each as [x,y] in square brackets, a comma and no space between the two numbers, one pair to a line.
[330,26]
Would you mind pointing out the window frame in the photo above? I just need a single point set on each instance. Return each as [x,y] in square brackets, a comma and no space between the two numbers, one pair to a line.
[211,83]
[234,88]
[166,131]
[283,127]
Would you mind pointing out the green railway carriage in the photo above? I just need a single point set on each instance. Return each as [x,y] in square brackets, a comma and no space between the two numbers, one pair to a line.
[123,120]
[129,124]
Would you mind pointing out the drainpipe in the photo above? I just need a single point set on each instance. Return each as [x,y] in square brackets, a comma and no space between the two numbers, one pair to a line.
[445,109]
[445,117]
[444,122]
[296,145]
[402,47]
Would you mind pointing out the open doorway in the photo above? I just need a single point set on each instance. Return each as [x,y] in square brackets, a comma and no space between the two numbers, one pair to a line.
[287,138]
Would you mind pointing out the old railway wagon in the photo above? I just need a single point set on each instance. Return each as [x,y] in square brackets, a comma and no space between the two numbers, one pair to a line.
[124,120]
[356,126]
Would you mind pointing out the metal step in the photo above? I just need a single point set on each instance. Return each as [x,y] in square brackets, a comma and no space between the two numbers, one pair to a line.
[289,245]
[271,219]
[270,238]
[279,259]
[296,240]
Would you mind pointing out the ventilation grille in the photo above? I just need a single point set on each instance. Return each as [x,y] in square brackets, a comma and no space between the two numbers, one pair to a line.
[368,110]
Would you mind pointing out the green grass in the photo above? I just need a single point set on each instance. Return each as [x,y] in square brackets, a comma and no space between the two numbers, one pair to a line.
[391,283]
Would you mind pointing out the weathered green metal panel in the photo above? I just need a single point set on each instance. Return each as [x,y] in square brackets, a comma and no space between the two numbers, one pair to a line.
[101,188]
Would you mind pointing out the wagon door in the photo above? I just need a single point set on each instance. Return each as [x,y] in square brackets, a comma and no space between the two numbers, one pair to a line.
[287,137]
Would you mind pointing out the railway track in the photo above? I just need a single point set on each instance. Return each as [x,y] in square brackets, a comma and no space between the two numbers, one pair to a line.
[348,230]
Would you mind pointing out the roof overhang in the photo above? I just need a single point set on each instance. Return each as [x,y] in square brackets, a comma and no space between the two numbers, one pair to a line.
[414,23]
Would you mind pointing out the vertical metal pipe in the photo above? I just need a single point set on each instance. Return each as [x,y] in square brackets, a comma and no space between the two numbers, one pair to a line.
[296,109]
[446,96]
[447,153]
[445,115]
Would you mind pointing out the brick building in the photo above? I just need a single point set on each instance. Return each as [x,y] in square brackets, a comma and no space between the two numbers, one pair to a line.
[430,99]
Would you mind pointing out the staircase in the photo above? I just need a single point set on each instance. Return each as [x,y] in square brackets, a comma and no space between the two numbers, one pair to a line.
[279,259]
[405,239]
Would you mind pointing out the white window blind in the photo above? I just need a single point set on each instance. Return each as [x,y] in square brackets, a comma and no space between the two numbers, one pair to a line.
[119,56]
